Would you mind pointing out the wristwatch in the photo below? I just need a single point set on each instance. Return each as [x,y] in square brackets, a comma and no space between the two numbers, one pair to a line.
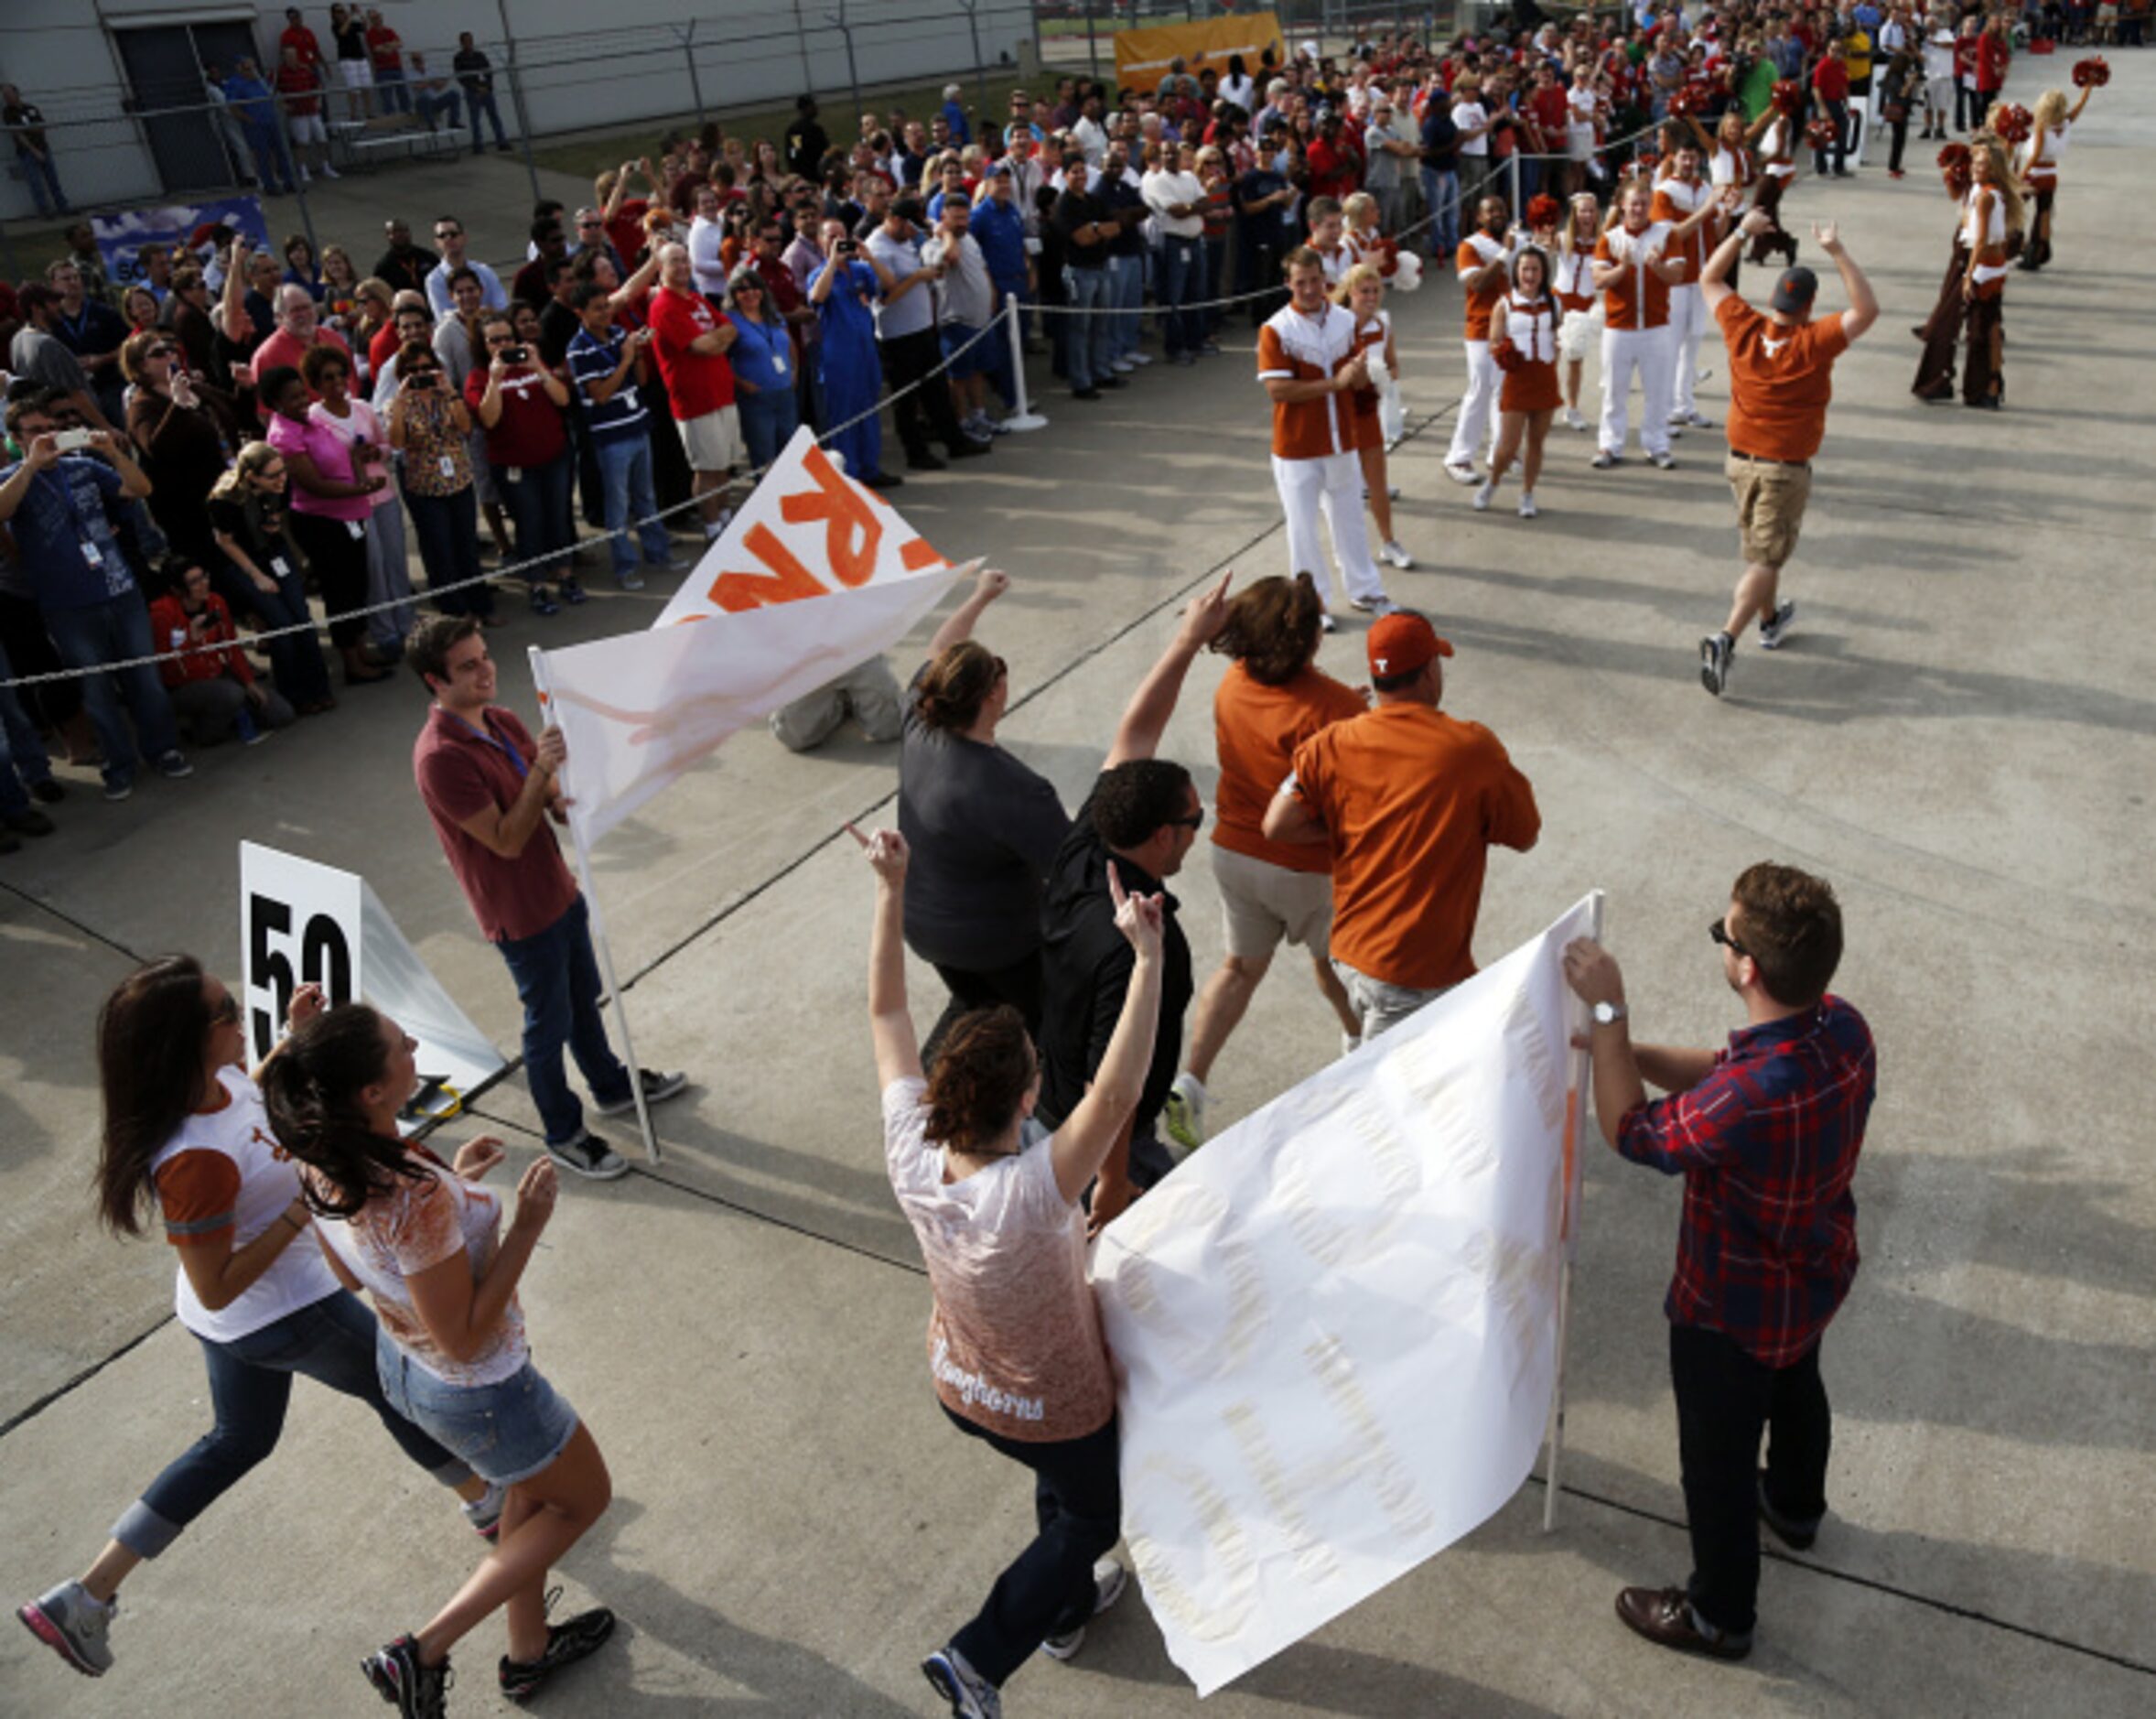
[1607,1014]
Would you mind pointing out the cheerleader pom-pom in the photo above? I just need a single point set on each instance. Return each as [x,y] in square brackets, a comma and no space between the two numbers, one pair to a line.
[1409,274]
[1954,159]
[1685,101]
[2012,124]
[1787,96]
[1543,210]
[2092,73]
[1508,357]
[1821,134]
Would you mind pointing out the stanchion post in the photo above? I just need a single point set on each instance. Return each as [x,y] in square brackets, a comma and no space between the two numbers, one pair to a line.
[1025,417]
[599,931]
[1575,1138]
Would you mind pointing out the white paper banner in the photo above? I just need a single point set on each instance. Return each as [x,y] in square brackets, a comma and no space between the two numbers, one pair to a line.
[1335,1327]
[639,710]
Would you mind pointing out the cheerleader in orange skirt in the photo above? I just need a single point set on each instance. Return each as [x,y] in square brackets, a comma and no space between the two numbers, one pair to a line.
[1523,345]
[1572,285]
[1361,293]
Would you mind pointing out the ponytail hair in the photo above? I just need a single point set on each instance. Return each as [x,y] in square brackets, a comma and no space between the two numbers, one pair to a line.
[981,1076]
[152,1034]
[956,685]
[311,1088]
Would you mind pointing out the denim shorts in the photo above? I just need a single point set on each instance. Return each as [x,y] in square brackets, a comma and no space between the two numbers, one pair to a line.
[505,1431]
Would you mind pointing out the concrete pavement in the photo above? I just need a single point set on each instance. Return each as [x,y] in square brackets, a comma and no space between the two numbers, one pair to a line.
[1959,734]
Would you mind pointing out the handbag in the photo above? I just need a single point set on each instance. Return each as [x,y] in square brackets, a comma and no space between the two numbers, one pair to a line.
[1895,113]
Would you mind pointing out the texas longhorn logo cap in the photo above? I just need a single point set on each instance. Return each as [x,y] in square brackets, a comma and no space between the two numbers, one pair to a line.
[1402,642]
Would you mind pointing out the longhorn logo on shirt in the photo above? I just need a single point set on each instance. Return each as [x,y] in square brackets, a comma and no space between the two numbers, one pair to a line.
[259,1138]
[1772,347]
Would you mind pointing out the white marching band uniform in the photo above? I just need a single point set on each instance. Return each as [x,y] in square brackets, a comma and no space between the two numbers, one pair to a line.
[1637,337]
[1475,427]
[1315,466]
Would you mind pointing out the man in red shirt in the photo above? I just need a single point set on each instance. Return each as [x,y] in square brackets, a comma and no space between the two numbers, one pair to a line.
[299,94]
[1781,364]
[1766,1134]
[299,328]
[690,340]
[491,789]
[523,406]
[1830,83]
[297,39]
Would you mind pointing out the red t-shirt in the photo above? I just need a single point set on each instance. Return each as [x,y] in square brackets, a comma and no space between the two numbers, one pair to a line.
[1552,111]
[382,346]
[1830,77]
[626,228]
[296,85]
[531,431]
[698,384]
[461,772]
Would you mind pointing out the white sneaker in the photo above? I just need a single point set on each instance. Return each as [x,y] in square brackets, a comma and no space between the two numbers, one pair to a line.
[1485,495]
[1350,1043]
[1141,358]
[1603,460]
[1527,509]
[1378,605]
[331,171]
[305,177]
[1663,462]
[1392,551]
[1699,420]
[1463,471]
[1573,421]
[1123,366]
[1326,622]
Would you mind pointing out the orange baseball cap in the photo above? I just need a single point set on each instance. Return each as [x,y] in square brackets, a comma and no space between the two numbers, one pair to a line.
[1402,642]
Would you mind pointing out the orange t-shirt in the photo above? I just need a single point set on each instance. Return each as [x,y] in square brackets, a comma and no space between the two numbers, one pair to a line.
[1638,298]
[1478,251]
[1781,379]
[1256,728]
[1297,347]
[1412,798]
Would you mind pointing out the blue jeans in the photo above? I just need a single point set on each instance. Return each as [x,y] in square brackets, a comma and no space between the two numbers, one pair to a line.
[769,418]
[273,161]
[557,981]
[447,527]
[431,106]
[625,477]
[44,182]
[479,101]
[1216,284]
[538,499]
[1441,201]
[1089,348]
[1182,282]
[113,631]
[332,1341]
[1127,292]
[23,757]
[396,94]
[295,659]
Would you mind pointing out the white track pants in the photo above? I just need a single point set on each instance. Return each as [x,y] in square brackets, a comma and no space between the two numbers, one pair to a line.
[1687,326]
[1332,485]
[1647,352]
[1477,421]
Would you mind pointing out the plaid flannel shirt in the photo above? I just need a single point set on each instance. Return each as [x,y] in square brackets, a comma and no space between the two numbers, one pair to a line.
[1767,1145]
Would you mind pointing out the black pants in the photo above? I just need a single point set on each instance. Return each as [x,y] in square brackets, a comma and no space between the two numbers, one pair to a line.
[1899,130]
[925,414]
[1838,114]
[340,561]
[1018,985]
[1078,1500]
[1725,1399]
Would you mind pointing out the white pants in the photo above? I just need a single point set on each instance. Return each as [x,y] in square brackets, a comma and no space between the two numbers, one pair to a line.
[1332,484]
[1938,98]
[1647,351]
[1688,326]
[1477,421]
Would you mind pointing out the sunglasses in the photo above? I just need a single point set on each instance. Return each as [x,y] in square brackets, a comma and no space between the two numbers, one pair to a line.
[226,1013]
[1196,821]
[1721,933]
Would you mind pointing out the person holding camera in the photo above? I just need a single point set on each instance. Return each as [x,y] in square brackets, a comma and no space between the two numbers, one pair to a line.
[333,493]
[430,425]
[842,291]
[609,370]
[522,407]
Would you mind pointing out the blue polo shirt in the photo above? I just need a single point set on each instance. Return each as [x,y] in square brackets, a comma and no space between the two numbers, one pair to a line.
[621,413]
[1000,231]
[843,312]
[69,552]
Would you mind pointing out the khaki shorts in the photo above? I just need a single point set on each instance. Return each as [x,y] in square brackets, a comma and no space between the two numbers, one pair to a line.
[1261,903]
[713,442]
[1770,508]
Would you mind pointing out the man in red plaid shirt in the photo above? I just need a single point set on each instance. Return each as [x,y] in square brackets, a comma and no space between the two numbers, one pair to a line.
[1766,1134]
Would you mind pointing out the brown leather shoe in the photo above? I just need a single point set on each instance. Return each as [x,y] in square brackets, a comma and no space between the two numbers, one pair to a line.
[1665,1617]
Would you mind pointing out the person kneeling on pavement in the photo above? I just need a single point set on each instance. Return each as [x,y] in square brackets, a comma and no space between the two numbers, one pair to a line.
[213,689]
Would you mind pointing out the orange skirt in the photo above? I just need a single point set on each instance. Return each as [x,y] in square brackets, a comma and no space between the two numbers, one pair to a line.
[1531,387]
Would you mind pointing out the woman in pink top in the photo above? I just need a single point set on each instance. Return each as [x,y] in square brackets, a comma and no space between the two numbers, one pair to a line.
[1015,1345]
[330,501]
[328,374]
[427,1243]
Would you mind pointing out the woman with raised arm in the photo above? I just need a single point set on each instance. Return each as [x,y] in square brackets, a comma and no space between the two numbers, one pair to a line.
[185,1142]
[428,1242]
[1014,1341]
[2038,163]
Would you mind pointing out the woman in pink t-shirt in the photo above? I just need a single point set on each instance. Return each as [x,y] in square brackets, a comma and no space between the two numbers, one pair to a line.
[1015,1344]
[427,1243]
[330,501]
[328,374]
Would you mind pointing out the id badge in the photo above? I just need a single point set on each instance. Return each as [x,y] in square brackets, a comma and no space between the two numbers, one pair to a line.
[513,474]
[448,467]
[779,364]
[354,530]
[280,566]
[92,553]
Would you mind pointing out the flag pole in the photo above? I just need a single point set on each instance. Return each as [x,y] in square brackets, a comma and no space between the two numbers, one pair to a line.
[541,685]
[1575,1132]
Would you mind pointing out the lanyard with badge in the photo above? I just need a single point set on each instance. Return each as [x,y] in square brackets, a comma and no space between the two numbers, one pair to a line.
[93,557]
[487,737]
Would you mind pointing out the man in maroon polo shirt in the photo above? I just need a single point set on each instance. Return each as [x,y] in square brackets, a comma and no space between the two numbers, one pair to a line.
[490,789]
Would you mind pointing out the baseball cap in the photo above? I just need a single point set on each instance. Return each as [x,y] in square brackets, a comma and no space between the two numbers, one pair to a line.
[1402,642]
[1794,291]
[1001,170]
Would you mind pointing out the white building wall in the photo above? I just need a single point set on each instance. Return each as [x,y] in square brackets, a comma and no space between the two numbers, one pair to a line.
[584,66]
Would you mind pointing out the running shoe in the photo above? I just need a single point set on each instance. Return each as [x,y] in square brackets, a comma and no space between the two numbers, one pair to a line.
[1326,624]
[1184,1113]
[630,581]
[971,1695]
[1485,495]
[1462,471]
[1663,462]
[416,1691]
[1776,627]
[1716,650]
[1603,460]
[484,1512]
[173,765]
[590,1158]
[658,1088]
[1108,1580]
[1393,552]
[566,1643]
[1573,421]
[1527,508]
[73,1625]
[1380,605]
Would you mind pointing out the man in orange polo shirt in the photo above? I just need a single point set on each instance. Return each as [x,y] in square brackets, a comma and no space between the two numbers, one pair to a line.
[1411,800]
[1781,378]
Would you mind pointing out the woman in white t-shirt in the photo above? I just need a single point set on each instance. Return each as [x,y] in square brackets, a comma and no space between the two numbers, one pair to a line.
[1015,1345]
[426,1242]
[185,1138]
